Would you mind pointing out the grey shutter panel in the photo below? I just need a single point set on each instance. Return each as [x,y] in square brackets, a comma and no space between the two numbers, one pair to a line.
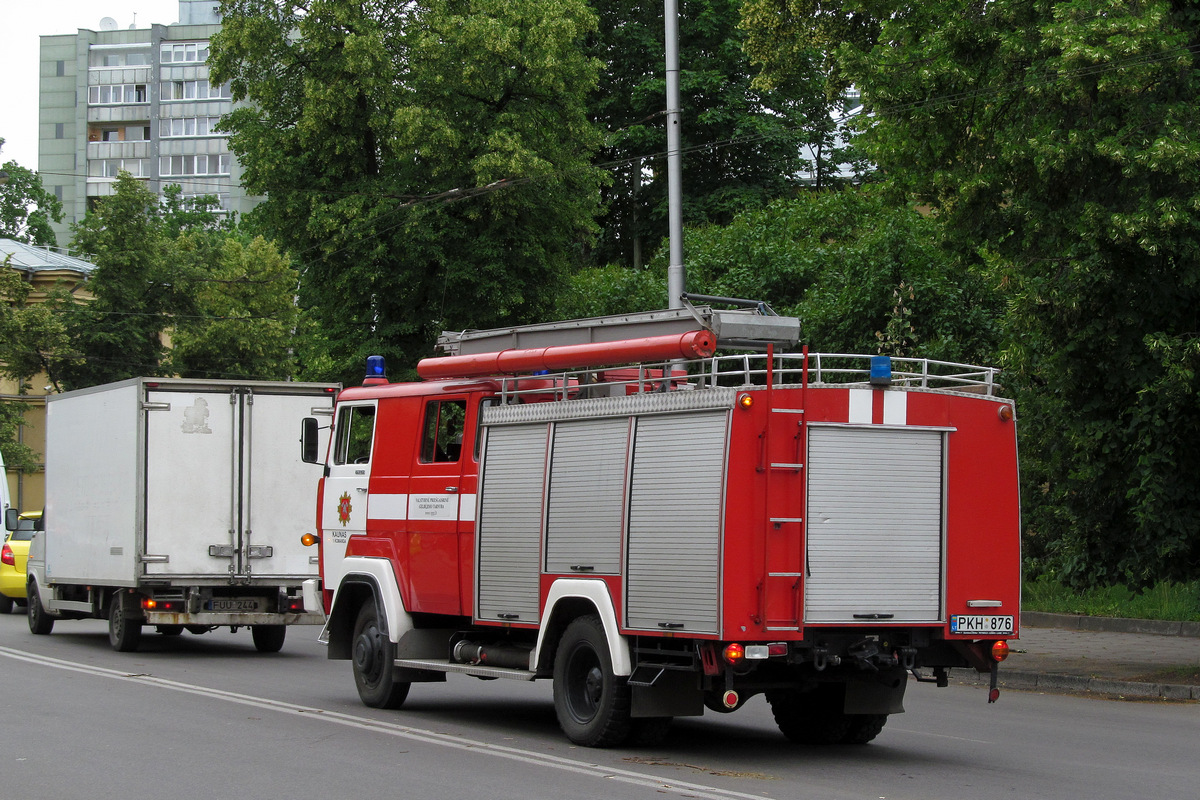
[510,522]
[587,495]
[874,524]
[673,572]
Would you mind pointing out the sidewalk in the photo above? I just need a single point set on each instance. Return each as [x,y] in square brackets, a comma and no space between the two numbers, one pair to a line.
[1122,657]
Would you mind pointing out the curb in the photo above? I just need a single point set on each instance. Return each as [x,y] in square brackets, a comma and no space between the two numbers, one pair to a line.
[1076,684]
[1078,622]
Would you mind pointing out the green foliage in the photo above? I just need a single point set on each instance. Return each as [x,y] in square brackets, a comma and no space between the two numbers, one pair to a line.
[17,456]
[33,338]
[742,145]
[612,289]
[427,164]
[176,273]
[1056,142]
[26,208]
[863,275]
[245,315]
[1164,601]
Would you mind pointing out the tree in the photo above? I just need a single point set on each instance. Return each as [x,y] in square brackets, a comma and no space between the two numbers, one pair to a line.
[742,143]
[33,340]
[862,274]
[136,289]
[245,315]
[179,272]
[1057,140]
[428,164]
[26,208]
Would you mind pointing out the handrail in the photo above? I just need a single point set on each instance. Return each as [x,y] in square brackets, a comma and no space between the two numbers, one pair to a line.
[748,370]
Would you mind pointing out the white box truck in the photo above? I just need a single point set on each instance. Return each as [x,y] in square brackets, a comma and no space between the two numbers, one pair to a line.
[179,504]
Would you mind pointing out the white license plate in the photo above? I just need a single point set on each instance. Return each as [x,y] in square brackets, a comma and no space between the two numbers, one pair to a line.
[236,604]
[981,624]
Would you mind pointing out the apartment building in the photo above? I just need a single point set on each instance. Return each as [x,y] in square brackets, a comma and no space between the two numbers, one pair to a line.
[139,100]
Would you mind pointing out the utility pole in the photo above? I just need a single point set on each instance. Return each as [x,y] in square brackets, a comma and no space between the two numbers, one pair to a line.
[676,275]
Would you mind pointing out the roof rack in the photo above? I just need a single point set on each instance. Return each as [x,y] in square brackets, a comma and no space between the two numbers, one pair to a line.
[752,327]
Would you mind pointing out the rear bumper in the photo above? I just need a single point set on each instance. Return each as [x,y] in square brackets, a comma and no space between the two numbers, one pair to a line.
[238,620]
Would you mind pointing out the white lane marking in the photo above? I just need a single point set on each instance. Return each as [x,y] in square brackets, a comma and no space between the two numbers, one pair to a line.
[402,731]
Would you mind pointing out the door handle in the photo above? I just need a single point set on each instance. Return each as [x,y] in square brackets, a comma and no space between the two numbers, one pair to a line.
[452,489]
[362,489]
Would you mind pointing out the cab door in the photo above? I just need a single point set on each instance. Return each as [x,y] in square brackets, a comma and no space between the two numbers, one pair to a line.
[345,497]
[436,507]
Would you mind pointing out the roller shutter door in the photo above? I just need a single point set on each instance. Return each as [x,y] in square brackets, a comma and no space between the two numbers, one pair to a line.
[673,572]
[874,525]
[587,495]
[510,522]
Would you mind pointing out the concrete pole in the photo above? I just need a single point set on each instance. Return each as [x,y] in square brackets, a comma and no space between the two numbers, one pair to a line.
[676,275]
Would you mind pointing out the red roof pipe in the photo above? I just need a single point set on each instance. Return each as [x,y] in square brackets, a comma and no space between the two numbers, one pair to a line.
[693,344]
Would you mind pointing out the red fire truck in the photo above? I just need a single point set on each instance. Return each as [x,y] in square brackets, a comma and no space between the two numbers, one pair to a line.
[658,530]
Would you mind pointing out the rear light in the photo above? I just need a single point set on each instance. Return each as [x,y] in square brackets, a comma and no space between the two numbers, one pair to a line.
[734,653]
[296,606]
[1000,650]
[745,401]
[761,651]
[150,604]
[1005,412]
[7,557]
[309,539]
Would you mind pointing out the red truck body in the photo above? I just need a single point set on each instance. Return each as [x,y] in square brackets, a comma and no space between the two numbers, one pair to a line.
[788,525]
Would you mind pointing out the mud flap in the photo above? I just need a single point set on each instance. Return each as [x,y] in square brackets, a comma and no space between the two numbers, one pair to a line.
[673,694]
[878,694]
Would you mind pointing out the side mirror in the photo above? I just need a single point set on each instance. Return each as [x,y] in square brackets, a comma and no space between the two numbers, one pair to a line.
[10,518]
[309,453]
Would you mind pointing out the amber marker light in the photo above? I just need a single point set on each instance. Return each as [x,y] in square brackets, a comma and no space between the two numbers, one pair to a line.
[309,539]
[745,401]
[999,650]
[1006,412]
[149,604]
[734,653]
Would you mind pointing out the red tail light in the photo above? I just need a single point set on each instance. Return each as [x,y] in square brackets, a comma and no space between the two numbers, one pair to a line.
[7,557]
[1000,650]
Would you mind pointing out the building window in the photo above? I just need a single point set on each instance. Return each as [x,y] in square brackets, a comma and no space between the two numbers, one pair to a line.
[60,130]
[117,94]
[184,53]
[194,165]
[188,126]
[110,135]
[111,167]
[137,60]
[60,68]
[193,90]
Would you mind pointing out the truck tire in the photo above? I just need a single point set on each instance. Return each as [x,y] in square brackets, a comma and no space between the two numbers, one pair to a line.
[373,657]
[592,704]
[268,638]
[6,604]
[817,718]
[40,623]
[124,634]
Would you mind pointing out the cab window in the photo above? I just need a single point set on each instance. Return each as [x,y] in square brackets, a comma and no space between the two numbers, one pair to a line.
[442,433]
[355,429]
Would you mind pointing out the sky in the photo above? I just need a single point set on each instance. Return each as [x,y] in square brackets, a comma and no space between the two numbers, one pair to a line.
[22,23]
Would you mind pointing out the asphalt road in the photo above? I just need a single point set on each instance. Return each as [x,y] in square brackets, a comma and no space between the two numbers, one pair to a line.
[208,716]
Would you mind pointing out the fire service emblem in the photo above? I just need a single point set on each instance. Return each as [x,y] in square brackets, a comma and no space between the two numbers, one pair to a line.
[344,508]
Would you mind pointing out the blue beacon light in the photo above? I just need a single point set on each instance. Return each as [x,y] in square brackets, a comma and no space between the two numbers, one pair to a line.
[376,371]
[881,370]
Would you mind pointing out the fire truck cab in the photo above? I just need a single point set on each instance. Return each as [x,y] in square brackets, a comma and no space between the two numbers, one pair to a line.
[660,530]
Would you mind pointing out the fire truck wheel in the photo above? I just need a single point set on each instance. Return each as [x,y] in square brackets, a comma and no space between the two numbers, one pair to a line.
[268,638]
[374,660]
[813,717]
[864,728]
[40,622]
[124,634]
[591,702]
